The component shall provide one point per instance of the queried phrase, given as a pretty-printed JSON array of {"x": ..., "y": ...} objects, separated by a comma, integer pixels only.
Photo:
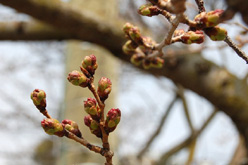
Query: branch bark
[
  {"x": 32, "y": 30},
  {"x": 216, "y": 84}
]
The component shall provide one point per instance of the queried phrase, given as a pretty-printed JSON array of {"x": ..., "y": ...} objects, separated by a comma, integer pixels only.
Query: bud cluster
[
  {"x": 149, "y": 10},
  {"x": 113, "y": 119},
  {"x": 72, "y": 127},
  {"x": 39, "y": 99},
  {"x": 93, "y": 107},
  {"x": 208, "y": 21},
  {"x": 93, "y": 125},
  {"x": 140, "y": 47},
  {"x": 53, "y": 127},
  {"x": 146, "y": 52},
  {"x": 192, "y": 37},
  {"x": 89, "y": 65}
]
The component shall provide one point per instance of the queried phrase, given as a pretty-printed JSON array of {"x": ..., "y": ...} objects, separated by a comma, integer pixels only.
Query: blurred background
[{"x": 146, "y": 102}]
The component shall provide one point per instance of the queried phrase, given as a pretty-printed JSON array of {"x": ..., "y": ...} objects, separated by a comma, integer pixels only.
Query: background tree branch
[{"x": 223, "y": 89}]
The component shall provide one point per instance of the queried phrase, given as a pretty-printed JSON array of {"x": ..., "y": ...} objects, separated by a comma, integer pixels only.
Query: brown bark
[
  {"x": 32, "y": 30},
  {"x": 220, "y": 87}
]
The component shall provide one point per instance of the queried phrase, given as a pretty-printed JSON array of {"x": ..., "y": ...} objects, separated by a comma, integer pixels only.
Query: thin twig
[
  {"x": 187, "y": 141},
  {"x": 239, "y": 156},
  {"x": 236, "y": 48},
  {"x": 85, "y": 143},
  {"x": 185, "y": 107},
  {"x": 106, "y": 153},
  {"x": 105, "y": 142},
  {"x": 45, "y": 113},
  {"x": 159, "y": 128},
  {"x": 168, "y": 39},
  {"x": 200, "y": 4},
  {"x": 191, "y": 152}
]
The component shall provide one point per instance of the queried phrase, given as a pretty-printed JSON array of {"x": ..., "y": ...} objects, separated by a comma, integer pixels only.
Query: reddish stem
[{"x": 101, "y": 104}]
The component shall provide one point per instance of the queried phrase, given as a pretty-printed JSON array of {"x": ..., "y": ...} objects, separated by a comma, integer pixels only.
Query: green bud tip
[
  {"x": 39, "y": 97},
  {"x": 137, "y": 59},
  {"x": 209, "y": 19},
  {"x": 92, "y": 124},
  {"x": 193, "y": 37},
  {"x": 77, "y": 78},
  {"x": 149, "y": 10},
  {"x": 127, "y": 27},
  {"x": 89, "y": 63},
  {"x": 90, "y": 106},
  {"x": 72, "y": 127},
  {"x": 104, "y": 88},
  {"x": 216, "y": 33},
  {"x": 129, "y": 47},
  {"x": 157, "y": 62},
  {"x": 135, "y": 35},
  {"x": 113, "y": 117},
  {"x": 147, "y": 64},
  {"x": 52, "y": 127}
]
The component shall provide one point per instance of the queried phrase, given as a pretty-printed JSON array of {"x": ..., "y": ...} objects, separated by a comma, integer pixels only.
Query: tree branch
[
  {"x": 32, "y": 30},
  {"x": 159, "y": 128},
  {"x": 186, "y": 142},
  {"x": 236, "y": 49},
  {"x": 228, "y": 93},
  {"x": 185, "y": 107}
]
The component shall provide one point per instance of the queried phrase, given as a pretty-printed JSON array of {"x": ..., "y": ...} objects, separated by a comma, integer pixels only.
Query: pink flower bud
[
  {"x": 129, "y": 47},
  {"x": 52, "y": 127},
  {"x": 179, "y": 32},
  {"x": 157, "y": 62},
  {"x": 112, "y": 120},
  {"x": 193, "y": 37},
  {"x": 147, "y": 64},
  {"x": 209, "y": 19},
  {"x": 127, "y": 27},
  {"x": 90, "y": 107},
  {"x": 77, "y": 78},
  {"x": 216, "y": 33},
  {"x": 39, "y": 99},
  {"x": 135, "y": 35},
  {"x": 93, "y": 126},
  {"x": 147, "y": 43},
  {"x": 149, "y": 10},
  {"x": 137, "y": 59},
  {"x": 72, "y": 127},
  {"x": 89, "y": 63},
  {"x": 104, "y": 88}
]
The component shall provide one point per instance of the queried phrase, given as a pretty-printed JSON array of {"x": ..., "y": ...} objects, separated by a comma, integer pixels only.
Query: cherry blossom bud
[
  {"x": 209, "y": 19},
  {"x": 112, "y": 120},
  {"x": 129, "y": 47},
  {"x": 127, "y": 27},
  {"x": 157, "y": 62},
  {"x": 179, "y": 32},
  {"x": 137, "y": 59},
  {"x": 72, "y": 127},
  {"x": 90, "y": 107},
  {"x": 147, "y": 64},
  {"x": 39, "y": 99},
  {"x": 77, "y": 78},
  {"x": 147, "y": 43},
  {"x": 149, "y": 10},
  {"x": 53, "y": 127},
  {"x": 193, "y": 37},
  {"x": 216, "y": 33},
  {"x": 104, "y": 88},
  {"x": 135, "y": 35},
  {"x": 93, "y": 126},
  {"x": 89, "y": 63}
]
